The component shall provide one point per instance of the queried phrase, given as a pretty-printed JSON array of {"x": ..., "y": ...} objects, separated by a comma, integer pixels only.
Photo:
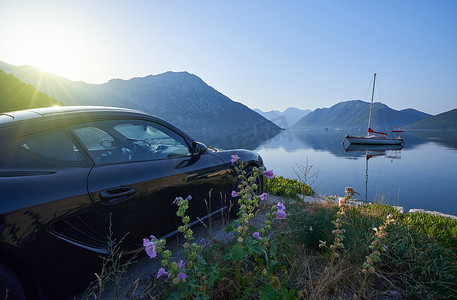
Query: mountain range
[
  {"x": 284, "y": 119},
  {"x": 181, "y": 98},
  {"x": 354, "y": 114},
  {"x": 189, "y": 103}
]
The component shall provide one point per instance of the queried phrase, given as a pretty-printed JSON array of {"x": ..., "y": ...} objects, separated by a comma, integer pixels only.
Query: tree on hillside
[{"x": 17, "y": 95}]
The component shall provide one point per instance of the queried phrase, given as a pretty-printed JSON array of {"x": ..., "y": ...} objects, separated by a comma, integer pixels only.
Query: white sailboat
[{"x": 375, "y": 137}]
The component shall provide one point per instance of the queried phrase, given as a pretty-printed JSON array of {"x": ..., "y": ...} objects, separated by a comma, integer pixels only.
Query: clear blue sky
[{"x": 265, "y": 54}]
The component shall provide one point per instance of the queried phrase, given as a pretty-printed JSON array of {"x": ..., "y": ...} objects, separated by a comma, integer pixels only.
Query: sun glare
[{"x": 52, "y": 50}]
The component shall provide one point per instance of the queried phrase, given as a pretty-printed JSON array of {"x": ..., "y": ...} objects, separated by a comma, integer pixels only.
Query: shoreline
[{"x": 321, "y": 198}]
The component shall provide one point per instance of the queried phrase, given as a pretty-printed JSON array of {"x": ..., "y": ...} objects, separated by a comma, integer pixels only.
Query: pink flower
[
  {"x": 263, "y": 196},
  {"x": 268, "y": 174},
  {"x": 162, "y": 272},
  {"x": 150, "y": 248},
  {"x": 234, "y": 194},
  {"x": 256, "y": 235},
  {"x": 234, "y": 159}
]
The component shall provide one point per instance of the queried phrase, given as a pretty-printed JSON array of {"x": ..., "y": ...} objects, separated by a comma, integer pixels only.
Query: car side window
[
  {"x": 54, "y": 145},
  {"x": 119, "y": 141}
]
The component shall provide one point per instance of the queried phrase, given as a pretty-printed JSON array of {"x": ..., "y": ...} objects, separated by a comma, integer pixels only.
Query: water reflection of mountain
[
  {"x": 447, "y": 138},
  {"x": 319, "y": 140},
  {"x": 246, "y": 139},
  {"x": 330, "y": 141}
]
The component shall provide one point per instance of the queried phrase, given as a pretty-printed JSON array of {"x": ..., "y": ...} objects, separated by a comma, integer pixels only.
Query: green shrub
[{"x": 287, "y": 188}]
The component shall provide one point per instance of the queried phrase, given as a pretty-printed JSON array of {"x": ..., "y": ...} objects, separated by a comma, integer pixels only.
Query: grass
[
  {"x": 415, "y": 258},
  {"x": 418, "y": 261}
]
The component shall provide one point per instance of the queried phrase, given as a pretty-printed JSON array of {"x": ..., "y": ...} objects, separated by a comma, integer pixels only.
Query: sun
[{"x": 52, "y": 49}]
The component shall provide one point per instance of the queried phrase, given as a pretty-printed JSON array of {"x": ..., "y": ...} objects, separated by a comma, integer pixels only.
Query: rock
[
  {"x": 435, "y": 213},
  {"x": 400, "y": 209}
]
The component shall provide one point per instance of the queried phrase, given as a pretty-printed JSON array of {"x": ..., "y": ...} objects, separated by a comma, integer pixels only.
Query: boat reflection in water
[{"x": 371, "y": 151}]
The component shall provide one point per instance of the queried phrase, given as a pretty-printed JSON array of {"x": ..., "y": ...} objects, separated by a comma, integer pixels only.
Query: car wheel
[
  {"x": 10, "y": 286},
  {"x": 259, "y": 181}
]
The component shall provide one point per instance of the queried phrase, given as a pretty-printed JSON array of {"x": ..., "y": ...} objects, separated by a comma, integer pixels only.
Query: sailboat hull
[{"x": 373, "y": 140}]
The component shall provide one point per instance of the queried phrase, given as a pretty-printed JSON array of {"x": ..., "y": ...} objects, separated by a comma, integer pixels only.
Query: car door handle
[{"x": 117, "y": 195}]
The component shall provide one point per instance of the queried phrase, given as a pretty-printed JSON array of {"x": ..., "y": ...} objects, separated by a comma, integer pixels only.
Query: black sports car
[{"x": 65, "y": 172}]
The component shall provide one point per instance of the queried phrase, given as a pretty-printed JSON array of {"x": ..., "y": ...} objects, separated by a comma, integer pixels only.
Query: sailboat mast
[{"x": 371, "y": 105}]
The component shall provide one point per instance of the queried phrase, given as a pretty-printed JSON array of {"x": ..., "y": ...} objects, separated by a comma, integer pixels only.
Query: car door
[
  {"x": 141, "y": 167},
  {"x": 45, "y": 209}
]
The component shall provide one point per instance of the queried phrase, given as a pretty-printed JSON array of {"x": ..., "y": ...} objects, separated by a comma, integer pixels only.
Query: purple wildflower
[
  {"x": 280, "y": 206},
  {"x": 202, "y": 241},
  {"x": 150, "y": 248},
  {"x": 182, "y": 264},
  {"x": 234, "y": 159},
  {"x": 234, "y": 194},
  {"x": 176, "y": 200},
  {"x": 181, "y": 275},
  {"x": 256, "y": 235},
  {"x": 263, "y": 197},
  {"x": 189, "y": 197},
  {"x": 268, "y": 174},
  {"x": 162, "y": 272},
  {"x": 281, "y": 212}
]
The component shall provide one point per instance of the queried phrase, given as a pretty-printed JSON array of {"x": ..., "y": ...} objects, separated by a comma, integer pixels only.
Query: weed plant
[{"x": 114, "y": 266}]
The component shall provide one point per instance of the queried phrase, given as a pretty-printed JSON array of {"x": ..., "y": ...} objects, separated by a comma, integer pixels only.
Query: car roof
[
  {"x": 10, "y": 118},
  {"x": 75, "y": 113}
]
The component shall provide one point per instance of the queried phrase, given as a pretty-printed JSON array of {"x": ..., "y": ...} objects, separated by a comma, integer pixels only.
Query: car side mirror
[{"x": 198, "y": 148}]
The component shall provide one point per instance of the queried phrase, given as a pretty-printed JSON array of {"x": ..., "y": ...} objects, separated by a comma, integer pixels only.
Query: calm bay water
[{"x": 423, "y": 174}]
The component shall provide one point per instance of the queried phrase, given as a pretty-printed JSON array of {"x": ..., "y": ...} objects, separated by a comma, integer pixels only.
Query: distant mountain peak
[
  {"x": 354, "y": 114},
  {"x": 287, "y": 118}
]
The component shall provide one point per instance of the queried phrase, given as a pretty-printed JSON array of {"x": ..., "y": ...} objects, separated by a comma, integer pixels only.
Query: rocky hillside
[{"x": 181, "y": 98}]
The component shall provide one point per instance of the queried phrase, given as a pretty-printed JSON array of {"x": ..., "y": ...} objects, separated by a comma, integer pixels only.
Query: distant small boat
[{"x": 376, "y": 137}]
